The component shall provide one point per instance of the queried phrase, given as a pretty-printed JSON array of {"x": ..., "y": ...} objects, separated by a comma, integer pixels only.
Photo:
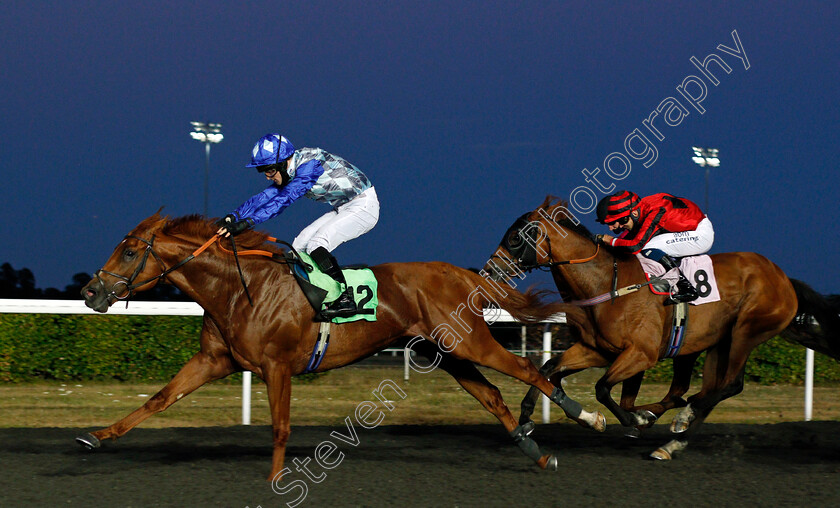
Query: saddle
[
  {"x": 320, "y": 289},
  {"x": 697, "y": 269}
]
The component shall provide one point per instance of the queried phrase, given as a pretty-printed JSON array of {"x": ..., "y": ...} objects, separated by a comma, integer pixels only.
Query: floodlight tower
[
  {"x": 207, "y": 133},
  {"x": 706, "y": 158}
]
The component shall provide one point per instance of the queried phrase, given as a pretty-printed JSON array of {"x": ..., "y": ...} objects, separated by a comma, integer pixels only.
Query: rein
[
  {"x": 527, "y": 268},
  {"x": 264, "y": 253},
  {"x": 127, "y": 285},
  {"x": 522, "y": 247},
  {"x": 130, "y": 286}
]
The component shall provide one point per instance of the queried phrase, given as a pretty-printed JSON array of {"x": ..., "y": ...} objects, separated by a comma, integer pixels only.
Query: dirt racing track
[{"x": 786, "y": 464}]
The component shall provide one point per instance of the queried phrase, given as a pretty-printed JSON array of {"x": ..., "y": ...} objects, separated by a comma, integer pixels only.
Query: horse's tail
[
  {"x": 823, "y": 338},
  {"x": 531, "y": 307}
]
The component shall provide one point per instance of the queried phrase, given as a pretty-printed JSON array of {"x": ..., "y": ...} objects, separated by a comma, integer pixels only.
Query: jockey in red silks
[
  {"x": 320, "y": 176},
  {"x": 660, "y": 227}
]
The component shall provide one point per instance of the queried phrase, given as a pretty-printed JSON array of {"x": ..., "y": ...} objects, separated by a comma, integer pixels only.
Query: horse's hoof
[
  {"x": 528, "y": 427},
  {"x": 632, "y": 432},
  {"x": 600, "y": 424},
  {"x": 548, "y": 462},
  {"x": 648, "y": 416},
  {"x": 89, "y": 441},
  {"x": 678, "y": 427},
  {"x": 660, "y": 454}
]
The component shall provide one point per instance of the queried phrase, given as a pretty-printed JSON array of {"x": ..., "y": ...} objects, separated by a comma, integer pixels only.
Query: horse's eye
[
  {"x": 129, "y": 254},
  {"x": 514, "y": 239}
]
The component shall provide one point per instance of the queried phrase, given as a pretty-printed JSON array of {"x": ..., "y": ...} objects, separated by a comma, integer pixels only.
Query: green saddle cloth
[{"x": 362, "y": 281}]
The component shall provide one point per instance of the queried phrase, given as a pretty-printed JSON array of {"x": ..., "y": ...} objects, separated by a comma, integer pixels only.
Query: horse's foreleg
[
  {"x": 683, "y": 369},
  {"x": 278, "y": 381},
  {"x": 199, "y": 370},
  {"x": 573, "y": 360},
  {"x": 629, "y": 363}
]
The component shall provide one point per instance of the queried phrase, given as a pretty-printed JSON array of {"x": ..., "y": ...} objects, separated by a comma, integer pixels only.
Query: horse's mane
[
  {"x": 201, "y": 229},
  {"x": 552, "y": 203}
]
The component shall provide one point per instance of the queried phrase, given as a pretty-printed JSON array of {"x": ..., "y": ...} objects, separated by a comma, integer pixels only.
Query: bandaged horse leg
[
  {"x": 489, "y": 396},
  {"x": 574, "y": 410},
  {"x": 578, "y": 357},
  {"x": 529, "y": 447},
  {"x": 530, "y": 401}
]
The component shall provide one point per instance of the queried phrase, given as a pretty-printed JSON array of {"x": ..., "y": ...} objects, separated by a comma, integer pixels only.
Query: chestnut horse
[
  {"x": 274, "y": 337},
  {"x": 632, "y": 332}
]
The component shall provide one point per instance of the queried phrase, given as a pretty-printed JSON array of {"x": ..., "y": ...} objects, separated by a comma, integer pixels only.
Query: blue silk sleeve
[{"x": 274, "y": 199}]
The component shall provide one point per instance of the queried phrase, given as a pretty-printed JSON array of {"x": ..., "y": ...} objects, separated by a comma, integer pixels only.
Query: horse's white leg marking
[
  {"x": 595, "y": 420},
  {"x": 682, "y": 420},
  {"x": 667, "y": 451}
]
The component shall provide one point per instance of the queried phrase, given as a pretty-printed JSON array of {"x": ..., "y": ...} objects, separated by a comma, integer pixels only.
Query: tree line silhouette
[{"x": 20, "y": 284}]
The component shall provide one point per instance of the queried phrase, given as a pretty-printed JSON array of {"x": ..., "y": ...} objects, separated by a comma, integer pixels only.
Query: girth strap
[
  {"x": 320, "y": 349},
  {"x": 679, "y": 327}
]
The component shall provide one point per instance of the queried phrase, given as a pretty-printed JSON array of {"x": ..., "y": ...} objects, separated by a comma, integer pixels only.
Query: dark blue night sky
[{"x": 463, "y": 114}]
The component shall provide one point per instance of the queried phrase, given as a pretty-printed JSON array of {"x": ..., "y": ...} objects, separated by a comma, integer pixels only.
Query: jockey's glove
[{"x": 229, "y": 225}]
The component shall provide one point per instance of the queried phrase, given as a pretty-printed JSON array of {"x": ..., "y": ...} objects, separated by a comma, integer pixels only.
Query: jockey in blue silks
[{"x": 323, "y": 177}]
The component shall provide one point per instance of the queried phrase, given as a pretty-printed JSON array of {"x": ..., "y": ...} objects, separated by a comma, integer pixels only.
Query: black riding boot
[
  {"x": 685, "y": 291},
  {"x": 344, "y": 305}
]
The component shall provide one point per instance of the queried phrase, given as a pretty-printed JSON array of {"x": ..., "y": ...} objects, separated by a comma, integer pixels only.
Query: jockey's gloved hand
[
  {"x": 229, "y": 225},
  {"x": 227, "y": 219}
]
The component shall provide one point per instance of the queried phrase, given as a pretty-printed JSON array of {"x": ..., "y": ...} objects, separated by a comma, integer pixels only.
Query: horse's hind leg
[
  {"x": 529, "y": 402},
  {"x": 207, "y": 365},
  {"x": 723, "y": 377},
  {"x": 489, "y": 396},
  {"x": 484, "y": 350}
]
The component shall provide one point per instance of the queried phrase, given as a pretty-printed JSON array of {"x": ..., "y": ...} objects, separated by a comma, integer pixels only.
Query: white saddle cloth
[{"x": 697, "y": 269}]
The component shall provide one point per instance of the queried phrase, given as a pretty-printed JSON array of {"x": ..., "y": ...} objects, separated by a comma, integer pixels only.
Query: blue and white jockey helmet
[{"x": 270, "y": 149}]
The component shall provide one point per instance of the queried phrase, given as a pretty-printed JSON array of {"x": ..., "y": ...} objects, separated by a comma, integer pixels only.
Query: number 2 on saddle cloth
[{"x": 320, "y": 289}]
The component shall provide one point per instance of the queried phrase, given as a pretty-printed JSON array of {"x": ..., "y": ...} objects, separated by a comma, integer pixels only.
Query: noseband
[{"x": 128, "y": 282}]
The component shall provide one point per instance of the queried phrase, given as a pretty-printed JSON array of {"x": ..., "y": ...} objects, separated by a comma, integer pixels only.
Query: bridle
[
  {"x": 128, "y": 284},
  {"x": 524, "y": 252},
  {"x": 525, "y": 256}
]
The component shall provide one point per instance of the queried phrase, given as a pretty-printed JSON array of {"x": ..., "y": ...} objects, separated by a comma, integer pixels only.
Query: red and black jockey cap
[{"x": 614, "y": 207}]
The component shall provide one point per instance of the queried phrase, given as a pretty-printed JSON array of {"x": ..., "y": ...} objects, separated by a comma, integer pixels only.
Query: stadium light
[
  {"x": 209, "y": 134},
  {"x": 706, "y": 158}
]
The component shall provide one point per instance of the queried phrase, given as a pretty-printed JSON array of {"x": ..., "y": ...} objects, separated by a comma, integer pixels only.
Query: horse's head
[
  {"x": 516, "y": 252},
  {"x": 128, "y": 269},
  {"x": 527, "y": 244}
]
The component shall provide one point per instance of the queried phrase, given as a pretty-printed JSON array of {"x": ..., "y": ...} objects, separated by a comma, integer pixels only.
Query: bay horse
[
  {"x": 757, "y": 302},
  {"x": 274, "y": 335}
]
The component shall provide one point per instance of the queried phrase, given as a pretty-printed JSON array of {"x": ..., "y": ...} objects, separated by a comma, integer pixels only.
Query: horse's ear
[
  {"x": 155, "y": 222},
  {"x": 160, "y": 217},
  {"x": 548, "y": 199}
]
